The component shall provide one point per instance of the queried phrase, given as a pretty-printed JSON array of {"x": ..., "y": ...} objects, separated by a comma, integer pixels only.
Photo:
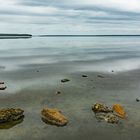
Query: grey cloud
[{"x": 67, "y": 13}]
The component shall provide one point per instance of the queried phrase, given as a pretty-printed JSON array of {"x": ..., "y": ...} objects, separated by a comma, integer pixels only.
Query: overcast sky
[{"x": 70, "y": 16}]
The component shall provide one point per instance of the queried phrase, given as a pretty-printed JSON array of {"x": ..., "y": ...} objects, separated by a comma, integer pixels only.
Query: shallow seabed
[{"x": 33, "y": 68}]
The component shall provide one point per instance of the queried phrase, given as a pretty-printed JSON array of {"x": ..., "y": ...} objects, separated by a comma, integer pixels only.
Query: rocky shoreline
[{"x": 9, "y": 117}]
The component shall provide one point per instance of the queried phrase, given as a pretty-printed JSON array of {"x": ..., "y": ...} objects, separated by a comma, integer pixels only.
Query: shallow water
[{"x": 32, "y": 70}]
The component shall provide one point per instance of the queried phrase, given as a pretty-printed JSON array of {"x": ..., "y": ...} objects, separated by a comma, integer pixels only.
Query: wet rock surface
[
  {"x": 9, "y": 117},
  {"x": 10, "y": 114},
  {"x": 54, "y": 117}
]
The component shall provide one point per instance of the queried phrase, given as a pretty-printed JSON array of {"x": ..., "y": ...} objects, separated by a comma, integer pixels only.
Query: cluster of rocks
[
  {"x": 108, "y": 114},
  {"x": 11, "y": 116}
]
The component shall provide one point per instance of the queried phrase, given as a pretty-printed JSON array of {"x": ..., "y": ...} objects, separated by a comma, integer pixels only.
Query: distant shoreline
[
  {"x": 14, "y": 36},
  {"x": 87, "y": 35}
]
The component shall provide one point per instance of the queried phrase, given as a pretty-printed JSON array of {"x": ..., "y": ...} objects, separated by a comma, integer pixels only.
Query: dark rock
[
  {"x": 53, "y": 117},
  {"x": 84, "y": 76},
  {"x": 58, "y": 92},
  {"x": 1, "y": 82},
  {"x": 65, "y": 80},
  {"x": 137, "y": 100}
]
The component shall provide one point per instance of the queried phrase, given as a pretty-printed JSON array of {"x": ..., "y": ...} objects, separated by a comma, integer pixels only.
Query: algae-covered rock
[
  {"x": 10, "y": 117},
  {"x": 10, "y": 114},
  {"x": 99, "y": 107},
  {"x": 53, "y": 117},
  {"x": 108, "y": 117},
  {"x": 104, "y": 113}
]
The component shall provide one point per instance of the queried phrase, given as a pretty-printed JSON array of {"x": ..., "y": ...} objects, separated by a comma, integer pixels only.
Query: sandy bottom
[{"x": 35, "y": 87}]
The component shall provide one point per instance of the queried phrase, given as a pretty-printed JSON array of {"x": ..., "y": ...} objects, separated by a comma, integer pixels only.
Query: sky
[{"x": 70, "y": 16}]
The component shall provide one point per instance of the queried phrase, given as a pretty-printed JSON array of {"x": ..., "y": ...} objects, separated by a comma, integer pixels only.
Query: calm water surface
[{"x": 32, "y": 70}]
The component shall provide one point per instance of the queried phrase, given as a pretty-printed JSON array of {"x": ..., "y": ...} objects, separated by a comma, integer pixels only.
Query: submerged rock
[
  {"x": 10, "y": 114},
  {"x": 8, "y": 125},
  {"x": 84, "y": 75},
  {"x": 137, "y": 100},
  {"x": 53, "y": 117},
  {"x": 100, "y": 76},
  {"x": 99, "y": 107},
  {"x": 65, "y": 80},
  {"x": 108, "y": 117},
  {"x": 119, "y": 110}
]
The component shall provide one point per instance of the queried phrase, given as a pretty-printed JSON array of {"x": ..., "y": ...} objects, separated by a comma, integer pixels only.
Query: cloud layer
[{"x": 70, "y": 17}]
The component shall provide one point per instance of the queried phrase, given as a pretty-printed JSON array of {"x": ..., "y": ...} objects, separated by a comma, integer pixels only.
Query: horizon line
[{"x": 108, "y": 35}]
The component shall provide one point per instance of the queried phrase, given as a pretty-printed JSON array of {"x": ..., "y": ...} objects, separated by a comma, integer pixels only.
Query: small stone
[
  {"x": 84, "y": 76},
  {"x": 137, "y": 100},
  {"x": 100, "y": 76},
  {"x": 1, "y": 82},
  {"x": 112, "y": 71},
  {"x": 65, "y": 80},
  {"x": 58, "y": 92}
]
